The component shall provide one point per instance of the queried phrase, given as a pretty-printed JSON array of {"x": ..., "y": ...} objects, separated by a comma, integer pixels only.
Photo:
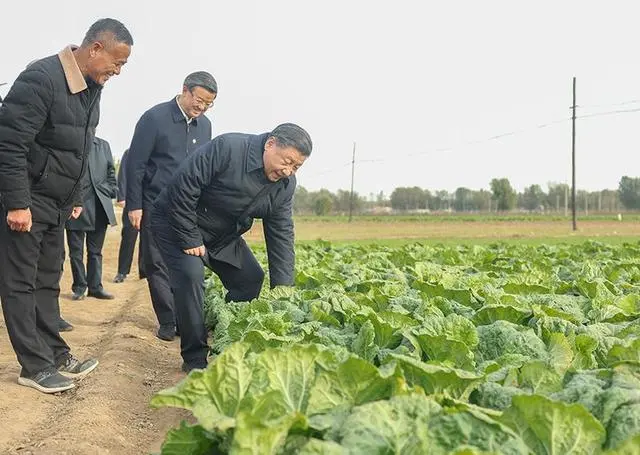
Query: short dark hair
[
  {"x": 291, "y": 135},
  {"x": 201, "y": 79},
  {"x": 107, "y": 25}
]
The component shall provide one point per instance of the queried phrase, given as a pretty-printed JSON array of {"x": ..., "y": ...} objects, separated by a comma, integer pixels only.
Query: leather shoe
[
  {"x": 166, "y": 332},
  {"x": 64, "y": 326},
  {"x": 101, "y": 294},
  {"x": 77, "y": 296},
  {"x": 120, "y": 277}
]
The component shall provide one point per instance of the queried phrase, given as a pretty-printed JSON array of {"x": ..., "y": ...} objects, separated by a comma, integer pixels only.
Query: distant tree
[
  {"x": 533, "y": 197},
  {"x": 629, "y": 190},
  {"x": 405, "y": 198},
  {"x": 504, "y": 194},
  {"x": 463, "y": 199},
  {"x": 322, "y": 204},
  {"x": 610, "y": 200},
  {"x": 557, "y": 194},
  {"x": 441, "y": 200},
  {"x": 481, "y": 200},
  {"x": 302, "y": 200}
]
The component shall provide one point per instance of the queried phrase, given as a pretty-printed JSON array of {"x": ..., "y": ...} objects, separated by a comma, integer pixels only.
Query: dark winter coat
[
  {"x": 161, "y": 141},
  {"x": 99, "y": 187},
  {"x": 211, "y": 191},
  {"x": 47, "y": 124}
]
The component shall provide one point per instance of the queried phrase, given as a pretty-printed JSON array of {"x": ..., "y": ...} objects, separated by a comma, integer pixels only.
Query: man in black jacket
[
  {"x": 163, "y": 138},
  {"x": 91, "y": 225},
  {"x": 47, "y": 124},
  {"x": 200, "y": 217},
  {"x": 129, "y": 234}
]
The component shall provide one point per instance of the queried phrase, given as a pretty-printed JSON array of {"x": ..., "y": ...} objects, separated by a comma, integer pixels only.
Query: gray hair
[
  {"x": 201, "y": 79},
  {"x": 291, "y": 135},
  {"x": 112, "y": 26}
]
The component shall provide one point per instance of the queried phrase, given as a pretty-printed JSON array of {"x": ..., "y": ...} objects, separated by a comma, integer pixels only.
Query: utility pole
[
  {"x": 573, "y": 158},
  {"x": 353, "y": 170}
]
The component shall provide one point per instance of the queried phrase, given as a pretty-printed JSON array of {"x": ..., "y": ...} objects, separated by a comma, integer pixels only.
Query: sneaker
[
  {"x": 64, "y": 326},
  {"x": 166, "y": 332},
  {"x": 74, "y": 368},
  {"x": 46, "y": 381},
  {"x": 77, "y": 296},
  {"x": 120, "y": 277}
]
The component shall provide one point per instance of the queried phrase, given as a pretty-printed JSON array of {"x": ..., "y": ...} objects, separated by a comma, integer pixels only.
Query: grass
[
  {"x": 471, "y": 217},
  {"x": 398, "y": 231}
]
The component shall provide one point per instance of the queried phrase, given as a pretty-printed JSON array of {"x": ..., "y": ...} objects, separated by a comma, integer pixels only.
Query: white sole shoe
[{"x": 31, "y": 383}]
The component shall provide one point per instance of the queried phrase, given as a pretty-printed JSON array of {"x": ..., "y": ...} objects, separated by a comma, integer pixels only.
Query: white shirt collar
[{"x": 186, "y": 117}]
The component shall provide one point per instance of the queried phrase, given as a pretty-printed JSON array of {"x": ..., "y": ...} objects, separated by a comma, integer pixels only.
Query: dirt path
[{"x": 108, "y": 412}]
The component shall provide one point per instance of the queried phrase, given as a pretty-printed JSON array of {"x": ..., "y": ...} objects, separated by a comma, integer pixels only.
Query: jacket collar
[
  {"x": 176, "y": 113},
  {"x": 256, "y": 149},
  {"x": 75, "y": 80}
]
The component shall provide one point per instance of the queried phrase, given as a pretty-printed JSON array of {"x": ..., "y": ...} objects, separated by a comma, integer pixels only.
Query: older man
[
  {"x": 200, "y": 218},
  {"x": 163, "y": 138},
  {"x": 47, "y": 124}
]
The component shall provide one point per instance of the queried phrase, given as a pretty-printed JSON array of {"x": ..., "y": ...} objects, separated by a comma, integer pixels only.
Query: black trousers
[
  {"x": 128, "y": 238},
  {"x": 186, "y": 275},
  {"x": 156, "y": 271},
  {"x": 30, "y": 270}
]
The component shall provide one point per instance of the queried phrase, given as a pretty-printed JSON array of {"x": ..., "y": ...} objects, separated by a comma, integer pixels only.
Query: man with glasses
[{"x": 163, "y": 138}]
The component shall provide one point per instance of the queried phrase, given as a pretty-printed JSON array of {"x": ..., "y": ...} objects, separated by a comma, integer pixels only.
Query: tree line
[{"x": 501, "y": 197}]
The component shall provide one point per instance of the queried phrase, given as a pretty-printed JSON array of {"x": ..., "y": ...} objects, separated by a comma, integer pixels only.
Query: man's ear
[{"x": 95, "y": 47}]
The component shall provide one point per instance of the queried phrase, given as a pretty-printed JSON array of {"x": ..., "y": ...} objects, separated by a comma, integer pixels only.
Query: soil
[{"x": 108, "y": 412}]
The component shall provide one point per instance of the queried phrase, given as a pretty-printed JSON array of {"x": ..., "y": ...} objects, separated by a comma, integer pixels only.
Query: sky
[{"x": 429, "y": 92}]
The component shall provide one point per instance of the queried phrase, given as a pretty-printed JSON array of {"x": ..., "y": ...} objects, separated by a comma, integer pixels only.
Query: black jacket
[
  {"x": 47, "y": 124},
  {"x": 122, "y": 177},
  {"x": 160, "y": 143},
  {"x": 100, "y": 185},
  {"x": 210, "y": 192}
]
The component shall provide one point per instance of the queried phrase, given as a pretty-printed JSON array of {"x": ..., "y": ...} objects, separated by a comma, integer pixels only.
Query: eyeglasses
[{"x": 200, "y": 102}]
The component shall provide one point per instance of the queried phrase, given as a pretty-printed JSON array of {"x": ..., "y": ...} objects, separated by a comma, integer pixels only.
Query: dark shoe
[
  {"x": 77, "y": 296},
  {"x": 64, "y": 326},
  {"x": 46, "y": 381},
  {"x": 101, "y": 294},
  {"x": 120, "y": 277},
  {"x": 187, "y": 367},
  {"x": 142, "y": 276},
  {"x": 74, "y": 368},
  {"x": 166, "y": 332}
]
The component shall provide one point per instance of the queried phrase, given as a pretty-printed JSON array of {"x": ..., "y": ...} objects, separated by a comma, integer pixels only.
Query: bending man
[{"x": 200, "y": 217}]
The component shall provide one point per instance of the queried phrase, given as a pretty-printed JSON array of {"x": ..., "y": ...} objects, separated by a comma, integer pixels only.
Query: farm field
[
  {"x": 505, "y": 349},
  {"x": 110, "y": 411}
]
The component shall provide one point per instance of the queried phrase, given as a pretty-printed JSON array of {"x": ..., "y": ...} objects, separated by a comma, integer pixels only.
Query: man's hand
[
  {"x": 75, "y": 213},
  {"x": 120, "y": 204},
  {"x": 135, "y": 216},
  {"x": 19, "y": 220},
  {"x": 197, "y": 251}
]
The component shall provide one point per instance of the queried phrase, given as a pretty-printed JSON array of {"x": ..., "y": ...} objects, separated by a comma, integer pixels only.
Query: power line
[
  {"x": 623, "y": 103},
  {"x": 615, "y": 112},
  {"x": 487, "y": 139}
]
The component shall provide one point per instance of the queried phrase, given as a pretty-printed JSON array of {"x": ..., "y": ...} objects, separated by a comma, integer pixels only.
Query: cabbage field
[{"x": 501, "y": 349}]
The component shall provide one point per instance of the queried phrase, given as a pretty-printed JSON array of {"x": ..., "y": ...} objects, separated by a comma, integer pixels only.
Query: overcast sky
[{"x": 419, "y": 86}]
